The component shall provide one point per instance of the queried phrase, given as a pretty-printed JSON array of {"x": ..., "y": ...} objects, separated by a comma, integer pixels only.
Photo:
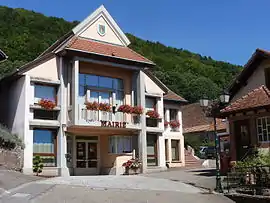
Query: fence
[{"x": 249, "y": 180}]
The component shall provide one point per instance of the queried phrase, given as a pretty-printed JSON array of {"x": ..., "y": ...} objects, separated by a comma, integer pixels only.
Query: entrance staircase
[{"x": 191, "y": 161}]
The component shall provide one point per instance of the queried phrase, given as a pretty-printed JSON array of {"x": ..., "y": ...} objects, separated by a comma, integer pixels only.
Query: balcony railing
[{"x": 89, "y": 117}]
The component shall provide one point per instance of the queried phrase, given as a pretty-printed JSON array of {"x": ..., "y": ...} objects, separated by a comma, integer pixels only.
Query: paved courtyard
[{"x": 112, "y": 189}]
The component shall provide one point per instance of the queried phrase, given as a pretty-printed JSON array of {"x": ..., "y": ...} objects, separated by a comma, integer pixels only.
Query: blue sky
[{"x": 225, "y": 30}]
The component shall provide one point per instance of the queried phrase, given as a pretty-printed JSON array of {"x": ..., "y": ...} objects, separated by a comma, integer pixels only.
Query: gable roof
[
  {"x": 3, "y": 56},
  {"x": 172, "y": 96},
  {"x": 101, "y": 11},
  {"x": 259, "y": 97},
  {"x": 195, "y": 120},
  {"x": 106, "y": 49},
  {"x": 253, "y": 63}
]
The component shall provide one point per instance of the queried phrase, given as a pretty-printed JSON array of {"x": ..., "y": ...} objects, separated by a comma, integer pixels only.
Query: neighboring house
[
  {"x": 92, "y": 63},
  {"x": 3, "y": 56},
  {"x": 248, "y": 112},
  {"x": 196, "y": 123}
]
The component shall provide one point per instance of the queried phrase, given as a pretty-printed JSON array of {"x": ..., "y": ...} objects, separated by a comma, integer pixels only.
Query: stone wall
[{"x": 11, "y": 159}]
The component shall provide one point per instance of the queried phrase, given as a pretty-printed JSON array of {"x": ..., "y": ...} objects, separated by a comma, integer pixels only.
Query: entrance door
[
  {"x": 151, "y": 150},
  {"x": 242, "y": 138},
  {"x": 86, "y": 158}
]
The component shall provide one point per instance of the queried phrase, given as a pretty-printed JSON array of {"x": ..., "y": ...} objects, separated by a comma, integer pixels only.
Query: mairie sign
[{"x": 113, "y": 124}]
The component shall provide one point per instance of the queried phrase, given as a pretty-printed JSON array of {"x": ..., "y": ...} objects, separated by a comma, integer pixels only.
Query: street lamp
[{"x": 214, "y": 110}]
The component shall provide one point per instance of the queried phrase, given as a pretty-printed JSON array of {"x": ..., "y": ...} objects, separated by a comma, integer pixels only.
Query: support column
[
  {"x": 142, "y": 144},
  {"x": 61, "y": 137},
  {"x": 167, "y": 118},
  {"x": 161, "y": 151},
  {"x": 75, "y": 91},
  {"x": 170, "y": 151},
  {"x": 232, "y": 141}
]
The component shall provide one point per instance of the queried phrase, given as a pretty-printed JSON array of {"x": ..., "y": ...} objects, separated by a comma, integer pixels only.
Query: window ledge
[
  {"x": 35, "y": 106},
  {"x": 176, "y": 161},
  {"x": 44, "y": 123},
  {"x": 121, "y": 154},
  {"x": 44, "y": 81}
]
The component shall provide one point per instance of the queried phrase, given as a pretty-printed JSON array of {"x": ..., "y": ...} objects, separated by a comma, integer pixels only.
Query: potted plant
[
  {"x": 174, "y": 124},
  {"x": 152, "y": 119},
  {"x": 132, "y": 166},
  {"x": 137, "y": 111},
  {"x": 47, "y": 104},
  {"x": 93, "y": 106},
  {"x": 166, "y": 124},
  {"x": 104, "y": 107},
  {"x": 125, "y": 108}
]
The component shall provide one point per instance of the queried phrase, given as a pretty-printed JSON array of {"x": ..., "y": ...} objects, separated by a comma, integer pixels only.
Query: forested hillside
[{"x": 25, "y": 34}]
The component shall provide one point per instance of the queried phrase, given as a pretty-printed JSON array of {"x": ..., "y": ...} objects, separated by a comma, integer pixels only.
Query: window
[
  {"x": 150, "y": 103},
  {"x": 120, "y": 144},
  {"x": 44, "y": 92},
  {"x": 175, "y": 150},
  {"x": 101, "y": 88},
  {"x": 173, "y": 114},
  {"x": 44, "y": 145},
  {"x": 263, "y": 129}
]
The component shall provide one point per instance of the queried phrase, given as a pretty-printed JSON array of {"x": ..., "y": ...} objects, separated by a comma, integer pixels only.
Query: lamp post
[{"x": 214, "y": 109}]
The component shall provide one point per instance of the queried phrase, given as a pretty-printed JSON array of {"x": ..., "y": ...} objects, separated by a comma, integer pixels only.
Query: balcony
[
  {"x": 107, "y": 119},
  {"x": 172, "y": 126}
]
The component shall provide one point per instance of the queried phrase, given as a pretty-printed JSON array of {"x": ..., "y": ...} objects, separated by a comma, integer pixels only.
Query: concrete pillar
[
  {"x": 61, "y": 137},
  {"x": 160, "y": 111},
  {"x": 161, "y": 151},
  {"x": 232, "y": 141},
  {"x": 169, "y": 150},
  {"x": 75, "y": 91},
  {"x": 28, "y": 94},
  {"x": 167, "y": 118},
  {"x": 142, "y": 141}
]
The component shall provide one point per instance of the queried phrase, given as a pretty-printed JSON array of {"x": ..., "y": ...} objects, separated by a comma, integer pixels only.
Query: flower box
[
  {"x": 152, "y": 122},
  {"x": 132, "y": 167},
  {"x": 47, "y": 104}
]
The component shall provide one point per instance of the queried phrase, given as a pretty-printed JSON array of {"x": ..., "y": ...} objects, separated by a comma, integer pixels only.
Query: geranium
[
  {"x": 166, "y": 123},
  {"x": 132, "y": 163},
  {"x": 93, "y": 106},
  {"x": 152, "y": 114},
  {"x": 47, "y": 104},
  {"x": 104, "y": 107},
  {"x": 174, "y": 124},
  {"x": 137, "y": 110},
  {"x": 125, "y": 108}
]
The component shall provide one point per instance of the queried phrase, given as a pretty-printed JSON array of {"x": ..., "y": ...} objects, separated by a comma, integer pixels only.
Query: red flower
[
  {"x": 47, "y": 104},
  {"x": 137, "y": 110},
  {"x": 152, "y": 114},
  {"x": 104, "y": 107},
  {"x": 174, "y": 124},
  {"x": 93, "y": 106},
  {"x": 166, "y": 123},
  {"x": 125, "y": 108}
]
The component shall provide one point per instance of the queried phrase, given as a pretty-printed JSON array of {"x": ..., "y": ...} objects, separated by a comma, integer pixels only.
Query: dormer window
[{"x": 101, "y": 29}]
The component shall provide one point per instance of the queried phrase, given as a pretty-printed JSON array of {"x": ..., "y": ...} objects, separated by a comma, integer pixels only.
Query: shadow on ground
[{"x": 204, "y": 172}]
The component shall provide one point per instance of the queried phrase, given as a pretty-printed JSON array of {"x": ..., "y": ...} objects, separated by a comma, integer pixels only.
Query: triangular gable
[{"x": 89, "y": 28}]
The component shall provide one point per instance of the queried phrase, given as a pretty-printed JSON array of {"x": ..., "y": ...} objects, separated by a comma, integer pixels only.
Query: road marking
[{"x": 20, "y": 195}]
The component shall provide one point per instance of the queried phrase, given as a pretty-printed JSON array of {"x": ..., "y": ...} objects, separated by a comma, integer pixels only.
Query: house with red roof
[
  {"x": 249, "y": 110},
  {"x": 89, "y": 103}
]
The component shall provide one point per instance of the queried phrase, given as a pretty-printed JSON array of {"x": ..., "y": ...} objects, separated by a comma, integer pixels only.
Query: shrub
[
  {"x": 9, "y": 140},
  {"x": 37, "y": 165}
]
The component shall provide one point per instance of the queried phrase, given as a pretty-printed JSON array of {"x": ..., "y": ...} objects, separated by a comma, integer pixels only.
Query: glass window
[
  {"x": 45, "y": 92},
  {"x": 101, "y": 86},
  {"x": 150, "y": 103},
  {"x": 175, "y": 150},
  {"x": 44, "y": 146},
  {"x": 263, "y": 129},
  {"x": 173, "y": 114},
  {"x": 120, "y": 144},
  {"x": 106, "y": 82}
]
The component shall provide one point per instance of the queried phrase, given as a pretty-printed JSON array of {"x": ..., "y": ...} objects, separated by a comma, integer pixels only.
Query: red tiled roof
[
  {"x": 256, "y": 98},
  {"x": 106, "y": 49},
  {"x": 173, "y": 96},
  {"x": 195, "y": 120}
]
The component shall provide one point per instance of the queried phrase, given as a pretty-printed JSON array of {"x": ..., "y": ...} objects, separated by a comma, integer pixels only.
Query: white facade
[{"x": 60, "y": 133}]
